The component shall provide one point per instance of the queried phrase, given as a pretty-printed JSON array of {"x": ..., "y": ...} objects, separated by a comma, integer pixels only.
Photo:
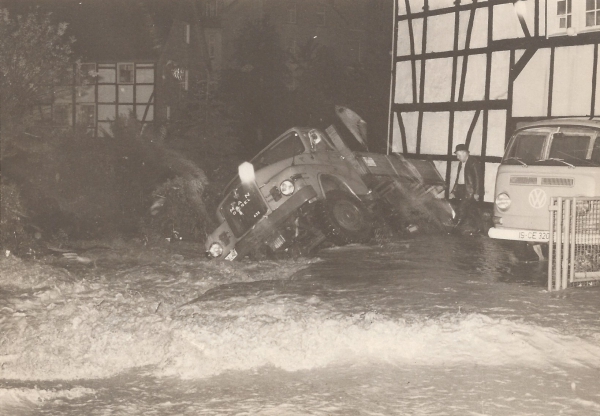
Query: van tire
[{"x": 344, "y": 219}]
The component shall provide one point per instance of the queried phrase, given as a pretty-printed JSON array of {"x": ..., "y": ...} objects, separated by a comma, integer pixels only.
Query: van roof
[{"x": 571, "y": 121}]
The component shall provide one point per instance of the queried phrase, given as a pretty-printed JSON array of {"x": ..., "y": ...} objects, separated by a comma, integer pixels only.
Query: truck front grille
[{"x": 243, "y": 207}]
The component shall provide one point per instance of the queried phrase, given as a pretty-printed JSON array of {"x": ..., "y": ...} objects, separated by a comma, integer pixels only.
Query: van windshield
[
  {"x": 575, "y": 147},
  {"x": 526, "y": 147}
]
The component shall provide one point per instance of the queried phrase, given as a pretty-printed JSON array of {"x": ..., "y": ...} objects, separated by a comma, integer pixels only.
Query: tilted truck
[{"x": 308, "y": 186}]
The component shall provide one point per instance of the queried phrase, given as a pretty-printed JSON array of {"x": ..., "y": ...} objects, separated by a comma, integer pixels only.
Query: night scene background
[{"x": 122, "y": 122}]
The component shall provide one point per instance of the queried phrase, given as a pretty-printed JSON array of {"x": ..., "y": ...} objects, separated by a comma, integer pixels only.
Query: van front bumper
[{"x": 539, "y": 236}]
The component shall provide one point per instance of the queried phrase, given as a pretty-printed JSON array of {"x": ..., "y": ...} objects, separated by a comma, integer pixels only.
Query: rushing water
[{"x": 431, "y": 326}]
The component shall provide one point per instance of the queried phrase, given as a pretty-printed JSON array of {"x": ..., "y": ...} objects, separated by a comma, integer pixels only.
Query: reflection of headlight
[
  {"x": 287, "y": 188},
  {"x": 503, "y": 201},
  {"x": 215, "y": 250}
]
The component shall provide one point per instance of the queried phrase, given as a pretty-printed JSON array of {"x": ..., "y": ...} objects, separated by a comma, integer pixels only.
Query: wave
[{"x": 209, "y": 338}]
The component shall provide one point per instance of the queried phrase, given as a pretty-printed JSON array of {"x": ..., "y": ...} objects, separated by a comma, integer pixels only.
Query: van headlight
[
  {"x": 215, "y": 250},
  {"x": 287, "y": 187},
  {"x": 503, "y": 201}
]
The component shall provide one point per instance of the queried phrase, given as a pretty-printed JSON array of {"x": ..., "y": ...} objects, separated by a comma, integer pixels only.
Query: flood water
[{"x": 442, "y": 325}]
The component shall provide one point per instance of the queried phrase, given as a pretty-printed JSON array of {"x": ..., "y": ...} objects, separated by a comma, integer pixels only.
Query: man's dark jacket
[{"x": 472, "y": 178}]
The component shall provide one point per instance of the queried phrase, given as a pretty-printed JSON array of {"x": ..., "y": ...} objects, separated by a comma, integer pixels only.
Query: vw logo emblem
[{"x": 537, "y": 198}]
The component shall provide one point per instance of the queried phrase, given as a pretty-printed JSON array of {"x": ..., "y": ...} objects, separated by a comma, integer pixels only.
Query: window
[
  {"x": 570, "y": 17},
  {"x": 564, "y": 13},
  {"x": 86, "y": 115},
  {"x": 186, "y": 80},
  {"x": 187, "y": 33},
  {"x": 107, "y": 74},
  {"x": 526, "y": 147},
  {"x": 321, "y": 15},
  {"x": 290, "y": 146},
  {"x": 86, "y": 74},
  {"x": 292, "y": 12},
  {"x": 168, "y": 112},
  {"x": 125, "y": 73},
  {"x": 144, "y": 74},
  {"x": 592, "y": 13}
]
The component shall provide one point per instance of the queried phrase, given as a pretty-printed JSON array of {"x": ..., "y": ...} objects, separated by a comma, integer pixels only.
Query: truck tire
[{"x": 344, "y": 219}]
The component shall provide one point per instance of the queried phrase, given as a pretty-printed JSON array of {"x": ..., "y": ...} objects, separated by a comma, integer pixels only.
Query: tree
[
  {"x": 34, "y": 55},
  {"x": 257, "y": 86}
]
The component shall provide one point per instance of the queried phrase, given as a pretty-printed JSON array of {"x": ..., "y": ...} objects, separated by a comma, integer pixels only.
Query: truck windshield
[{"x": 289, "y": 146}]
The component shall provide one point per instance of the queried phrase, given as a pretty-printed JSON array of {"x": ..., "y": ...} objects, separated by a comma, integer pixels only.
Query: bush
[
  {"x": 89, "y": 188},
  {"x": 13, "y": 235}
]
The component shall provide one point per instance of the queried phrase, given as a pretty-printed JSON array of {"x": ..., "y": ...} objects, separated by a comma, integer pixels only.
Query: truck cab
[
  {"x": 311, "y": 185},
  {"x": 545, "y": 159}
]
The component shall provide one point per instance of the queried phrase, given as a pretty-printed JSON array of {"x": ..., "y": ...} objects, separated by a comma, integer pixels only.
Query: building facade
[
  {"x": 142, "y": 59},
  {"x": 471, "y": 71}
]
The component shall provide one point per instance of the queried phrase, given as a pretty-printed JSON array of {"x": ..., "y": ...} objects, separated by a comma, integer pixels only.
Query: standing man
[{"x": 467, "y": 188}]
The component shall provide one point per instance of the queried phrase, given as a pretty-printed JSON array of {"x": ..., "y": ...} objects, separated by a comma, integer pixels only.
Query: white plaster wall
[
  {"x": 396, "y": 135},
  {"x": 496, "y": 133},
  {"x": 475, "y": 80},
  {"x": 479, "y": 32},
  {"x": 573, "y": 68},
  {"x": 506, "y": 23},
  {"x": 434, "y": 135},
  {"x": 404, "y": 86},
  {"x": 410, "y": 121},
  {"x": 403, "y": 40},
  {"x": 530, "y": 90},
  {"x": 438, "y": 80},
  {"x": 489, "y": 182},
  {"x": 499, "y": 75},
  {"x": 440, "y": 33}
]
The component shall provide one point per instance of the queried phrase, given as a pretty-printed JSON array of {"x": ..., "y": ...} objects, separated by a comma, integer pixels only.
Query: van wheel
[{"x": 344, "y": 219}]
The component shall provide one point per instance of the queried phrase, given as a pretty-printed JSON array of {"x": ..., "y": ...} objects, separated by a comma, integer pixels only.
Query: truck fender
[{"x": 329, "y": 183}]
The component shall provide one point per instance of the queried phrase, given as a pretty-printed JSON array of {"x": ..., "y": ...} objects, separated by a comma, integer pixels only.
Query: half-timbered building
[{"x": 471, "y": 71}]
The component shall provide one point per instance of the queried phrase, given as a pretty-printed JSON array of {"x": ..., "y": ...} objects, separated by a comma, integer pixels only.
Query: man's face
[{"x": 462, "y": 155}]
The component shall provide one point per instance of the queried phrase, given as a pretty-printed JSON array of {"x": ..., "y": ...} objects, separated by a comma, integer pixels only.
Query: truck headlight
[
  {"x": 503, "y": 201},
  {"x": 215, "y": 250},
  {"x": 287, "y": 187}
]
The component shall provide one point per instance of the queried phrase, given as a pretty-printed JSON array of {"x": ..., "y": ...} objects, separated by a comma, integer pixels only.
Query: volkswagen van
[{"x": 545, "y": 159}]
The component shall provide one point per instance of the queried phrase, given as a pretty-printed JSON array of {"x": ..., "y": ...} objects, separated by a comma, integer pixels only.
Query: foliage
[
  {"x": 85, "y": 187},
  {"x": 34, "y": 54},
  {"x": 13, "y": 235}
]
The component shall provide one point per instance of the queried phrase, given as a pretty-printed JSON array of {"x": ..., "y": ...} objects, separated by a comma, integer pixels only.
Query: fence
[{"x": 574, "y": 243}]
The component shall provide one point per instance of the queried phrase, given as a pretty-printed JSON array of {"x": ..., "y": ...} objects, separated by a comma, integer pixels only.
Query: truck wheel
[{"x": 344, "y": 219}]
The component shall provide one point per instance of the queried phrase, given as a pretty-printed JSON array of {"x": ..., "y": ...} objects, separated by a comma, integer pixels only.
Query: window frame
[
  {"x": 119, "y": 65},
  {"x": 578, "y": 18}
]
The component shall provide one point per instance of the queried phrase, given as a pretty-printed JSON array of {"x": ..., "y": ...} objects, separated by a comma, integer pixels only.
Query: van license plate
[{"x": 534, "y": 235}]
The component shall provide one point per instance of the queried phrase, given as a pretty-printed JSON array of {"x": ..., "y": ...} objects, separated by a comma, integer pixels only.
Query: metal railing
[{"x": 574, "y": 243}]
